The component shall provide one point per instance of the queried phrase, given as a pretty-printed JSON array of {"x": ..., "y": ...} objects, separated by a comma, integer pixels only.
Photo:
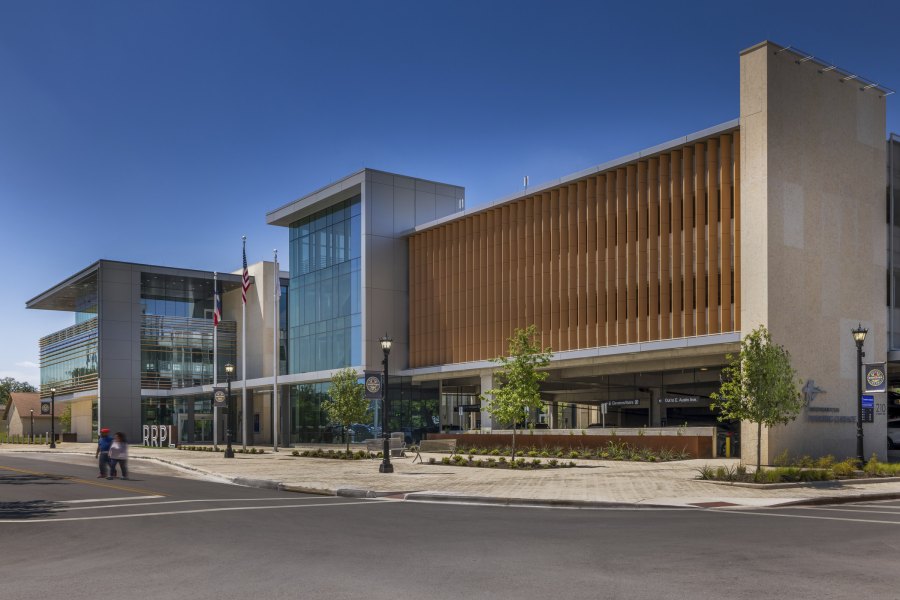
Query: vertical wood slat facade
[{"x": 646, "y": 251}]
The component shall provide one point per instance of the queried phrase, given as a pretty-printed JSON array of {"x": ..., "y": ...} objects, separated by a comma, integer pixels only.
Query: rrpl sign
[{"x": 159, "y": 436}]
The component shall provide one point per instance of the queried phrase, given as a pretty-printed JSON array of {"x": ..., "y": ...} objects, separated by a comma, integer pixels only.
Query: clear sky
[{"x": 160, "y": 132}]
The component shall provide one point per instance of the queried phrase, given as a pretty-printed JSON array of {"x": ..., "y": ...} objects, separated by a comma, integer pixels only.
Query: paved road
[{"x": 66, "y": 534}]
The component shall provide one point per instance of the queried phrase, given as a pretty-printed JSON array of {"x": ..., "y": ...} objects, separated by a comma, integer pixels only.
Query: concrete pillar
[
  {"x": 554, "y": 415},
  {"x": 487, "y": 383}
]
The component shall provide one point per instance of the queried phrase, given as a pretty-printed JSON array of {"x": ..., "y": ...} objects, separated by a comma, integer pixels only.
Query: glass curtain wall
[
  {"x": 69, "y": 359},
  {"x": 177, "y": 333},
  {"x": 324, "y": 310}
]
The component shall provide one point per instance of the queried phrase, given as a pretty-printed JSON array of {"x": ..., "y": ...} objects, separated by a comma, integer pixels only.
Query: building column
[
  {"x": 487, "y": 383},
  {"x": 554, "y": 415}
]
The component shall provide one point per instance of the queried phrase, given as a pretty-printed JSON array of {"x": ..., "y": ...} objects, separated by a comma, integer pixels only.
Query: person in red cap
[{"x": 103, "y": 445}]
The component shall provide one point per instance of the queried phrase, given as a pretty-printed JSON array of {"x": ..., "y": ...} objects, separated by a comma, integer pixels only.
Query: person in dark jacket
[{"x": 103, "y": 445}]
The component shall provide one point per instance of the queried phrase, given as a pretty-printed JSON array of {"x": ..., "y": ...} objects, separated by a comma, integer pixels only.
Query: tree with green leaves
[
  {"x": 759, "y": 386},
  {"x": 346, "y": 402},
  {"x": 520, "y": 387},
  {"x": 65, "y": 419},
  {"x": 9, "y": 385}
]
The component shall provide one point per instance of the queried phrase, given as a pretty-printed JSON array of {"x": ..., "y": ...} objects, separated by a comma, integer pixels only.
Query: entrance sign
[
  {"x": 373, "y": 385},
  {"x": 219, "y": 397},
  {"x": 159, "y": 436},
  {"x": 876, "y": 378}
]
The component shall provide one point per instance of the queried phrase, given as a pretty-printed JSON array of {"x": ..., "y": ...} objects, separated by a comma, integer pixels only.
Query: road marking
[
  {"x": 87, "y": 500},
  {"x": 771, "y": 514},
  {"x": 195, "y": 501},
  {"x": 84, "y": 481},
  {"x": 369, "y": 501}
]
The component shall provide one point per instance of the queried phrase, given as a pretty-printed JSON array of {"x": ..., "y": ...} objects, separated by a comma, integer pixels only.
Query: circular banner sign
[
  {"x": 45, "y": 408},
  {"x": 875, "y": 377},
  {"x": 373, "y": 384},
  {"x": 219, "y": 397}
]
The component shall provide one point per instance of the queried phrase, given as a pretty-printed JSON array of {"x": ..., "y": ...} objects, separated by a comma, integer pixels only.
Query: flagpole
[
  {"x": 275, "y": 356},
  {"x": 244, "y": 357},
  {"x": 215, "y": 359}
]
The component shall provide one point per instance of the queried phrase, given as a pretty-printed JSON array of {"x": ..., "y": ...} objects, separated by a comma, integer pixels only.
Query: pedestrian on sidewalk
[
  {"x": 118, "y": 455},
  {"x": 103, "y": 445}
]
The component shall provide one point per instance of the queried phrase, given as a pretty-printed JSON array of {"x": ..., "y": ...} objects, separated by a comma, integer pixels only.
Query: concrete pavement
[{"x": 591, "y": 482}]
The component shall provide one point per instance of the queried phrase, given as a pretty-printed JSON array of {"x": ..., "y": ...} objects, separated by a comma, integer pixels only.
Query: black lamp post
[
  {"x": 52, "y": 417},
  {"x": 859, "y": 336},
  {"x": 386, "y": 466},
  {"x": 229, "y": 451},
  {"x": 32, "y": 425}
]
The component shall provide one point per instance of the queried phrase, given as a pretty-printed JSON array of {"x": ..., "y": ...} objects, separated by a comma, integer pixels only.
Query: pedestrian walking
[
  {"x": 118, "y": 456},
  {"x": 103, "y": 445}
]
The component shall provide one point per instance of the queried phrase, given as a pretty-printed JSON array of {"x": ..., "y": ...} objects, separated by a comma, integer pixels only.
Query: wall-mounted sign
[
  {"x": 876, "y": 378},
  {"x": 45, "y": 408},
  {"x": 464, "y": 408},
  {"x": 868, "y": 409},
  {"x": 634, "y": 402},
  {"x": 373, "y": 385},
  {"x": 159, "y": 435},
  {"x": 219, "y": 397},
  {"x": 679, "y": 400}
]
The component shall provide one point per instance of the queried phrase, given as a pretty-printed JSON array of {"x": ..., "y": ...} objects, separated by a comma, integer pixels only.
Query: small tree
[
  {"x": 520, "y": 388},
  {"x": 65, "y": 419},
  {"x": 759, "y": 386},
  {"x": 346, "y": 403}
]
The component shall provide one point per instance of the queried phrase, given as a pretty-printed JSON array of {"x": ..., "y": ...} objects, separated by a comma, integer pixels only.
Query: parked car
[{"x": 893, "y": 434}]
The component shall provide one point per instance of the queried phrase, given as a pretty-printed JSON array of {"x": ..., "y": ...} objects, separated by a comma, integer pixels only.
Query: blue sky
[{"x": 160, "y": 132}]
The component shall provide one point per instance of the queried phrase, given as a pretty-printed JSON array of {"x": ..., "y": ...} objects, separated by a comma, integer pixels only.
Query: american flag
[
  {"x": 245, "y": 285},
  {"x": 217, "y": 311}
]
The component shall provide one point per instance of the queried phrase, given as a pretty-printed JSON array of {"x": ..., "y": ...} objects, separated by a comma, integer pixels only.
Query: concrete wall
[
  {"x": 393, "y": 204},
  {"x": 813, "y": 234},
  {"x": 81, "y": 420}
]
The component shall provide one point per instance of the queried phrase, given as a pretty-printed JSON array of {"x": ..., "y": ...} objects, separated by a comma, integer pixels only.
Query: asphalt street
[{"x": 162, "y": 535}]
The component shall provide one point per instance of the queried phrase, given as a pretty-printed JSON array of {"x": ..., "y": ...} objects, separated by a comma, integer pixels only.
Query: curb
[
  {"x": 841, "y": 499},
  {"x": 533, "y": 502}
]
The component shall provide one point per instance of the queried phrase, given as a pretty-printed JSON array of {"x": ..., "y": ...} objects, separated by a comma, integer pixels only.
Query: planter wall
[{"x": 695, "y": 445}]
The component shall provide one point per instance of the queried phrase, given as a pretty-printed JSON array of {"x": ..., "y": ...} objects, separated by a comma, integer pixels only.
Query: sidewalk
[{"x": 592, "y": 482}]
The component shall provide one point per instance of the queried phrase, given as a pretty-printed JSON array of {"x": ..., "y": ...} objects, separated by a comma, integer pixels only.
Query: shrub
[
  {"x": 706, "y": 473},
  {"x": 825, "y": 462},
  {"x": 574, "y": 454},
  {"x": 495, "y": 452},
  {"x": 545, "y": 454},
  {"x": 782, "y": 460},
  {"x": 571, "y": 463},
  {"x": 445, "y": 460},
  {"x": 501, "y": 460},
  {"x": 536, "y": 463},
  {"x": 553, "y": 462},
  {"x": 845, "y": 468},
  {"x": 295, "y": 453}
]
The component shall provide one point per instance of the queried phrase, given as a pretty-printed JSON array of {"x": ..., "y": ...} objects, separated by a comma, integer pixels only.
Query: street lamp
[
  {"x": 32, "y": 425},
  {"x": 859, "y": 336},
  {"x": 386, "y": 466},
  {"x": 52, "y": 417},
  {"x": 229, "y": 451}
]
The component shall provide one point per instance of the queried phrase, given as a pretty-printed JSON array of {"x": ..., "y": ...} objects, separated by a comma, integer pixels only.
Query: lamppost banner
[
  {"x": 373, "y": 385},
  {"x": 876, "y": 378}
]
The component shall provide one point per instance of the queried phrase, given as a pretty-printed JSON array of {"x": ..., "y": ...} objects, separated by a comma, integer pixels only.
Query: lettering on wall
[{"x": 159, "y": 436}]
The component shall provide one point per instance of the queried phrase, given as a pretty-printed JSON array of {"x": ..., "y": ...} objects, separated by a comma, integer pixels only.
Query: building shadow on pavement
[{"x": 28, "y": 509}]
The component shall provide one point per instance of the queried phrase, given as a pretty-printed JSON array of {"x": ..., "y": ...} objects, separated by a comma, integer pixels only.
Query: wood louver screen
[{"x": 646, "y": 251}]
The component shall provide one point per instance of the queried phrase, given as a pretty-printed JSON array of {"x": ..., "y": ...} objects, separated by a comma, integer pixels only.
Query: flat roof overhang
[
  {"x": 340, "y": 190},
  {"x": 65, "y": 294}
]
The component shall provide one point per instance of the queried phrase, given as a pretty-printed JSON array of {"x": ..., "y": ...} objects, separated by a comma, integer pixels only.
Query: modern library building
[{"x": 641, "y": 274}]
